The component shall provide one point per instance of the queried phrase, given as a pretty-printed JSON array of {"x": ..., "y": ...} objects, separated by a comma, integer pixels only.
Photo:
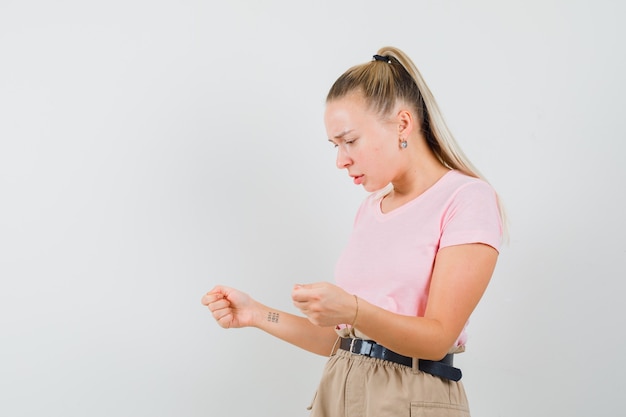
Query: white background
[{"x": 152, "y": 149}]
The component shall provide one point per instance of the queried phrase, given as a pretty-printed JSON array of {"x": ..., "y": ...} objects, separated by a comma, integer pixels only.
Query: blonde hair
[{"x": 393, "y": 76}]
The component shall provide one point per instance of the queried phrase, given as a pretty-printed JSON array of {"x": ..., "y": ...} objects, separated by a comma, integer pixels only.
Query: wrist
[
  {"x": 266, "y": 316},
  {"x": 259, "y": 313}
]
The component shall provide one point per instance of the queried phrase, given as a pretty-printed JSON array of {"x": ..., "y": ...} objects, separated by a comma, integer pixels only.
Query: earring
[{"x": 403, "y": 143}]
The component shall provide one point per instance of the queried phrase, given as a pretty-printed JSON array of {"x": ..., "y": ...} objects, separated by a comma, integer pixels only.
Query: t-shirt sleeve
[{"x": 472, "y": 216}]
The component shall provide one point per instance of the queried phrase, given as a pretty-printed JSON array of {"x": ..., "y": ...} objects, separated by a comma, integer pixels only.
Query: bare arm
[
  {"x": 460, "y": 276},
  {"x": 234, "y": 309}
]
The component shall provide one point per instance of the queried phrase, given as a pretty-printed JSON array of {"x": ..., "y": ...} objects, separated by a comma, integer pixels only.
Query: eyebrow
[{"x": 342, "y": 134}]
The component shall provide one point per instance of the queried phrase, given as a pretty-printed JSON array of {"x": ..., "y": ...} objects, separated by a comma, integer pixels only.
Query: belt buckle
[
  {"x": 366, "y": 347},
  {"x": 352, "y": 345}
]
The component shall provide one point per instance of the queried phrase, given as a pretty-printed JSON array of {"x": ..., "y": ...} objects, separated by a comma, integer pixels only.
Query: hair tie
[{"x": 386, "y": 59}]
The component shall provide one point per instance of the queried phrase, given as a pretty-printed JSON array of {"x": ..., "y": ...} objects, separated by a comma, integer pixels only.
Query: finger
[
  {"x": 218, "y": 305},
  {"x": 305, "y": 286},
  {"x": 309, "y": 287},
  {"x": 220, "y": 313},
  {"x": 224, "y": 319},
  {"x": 211, "y": 297},
  {"x": 300, "y": 306},
  {"x": 301, "y": 292},
  {"x": 299, "y": 297},
  {"x": 305, "y": 293}
]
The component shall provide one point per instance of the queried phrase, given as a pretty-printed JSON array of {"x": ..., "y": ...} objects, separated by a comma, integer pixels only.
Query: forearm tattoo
[{"x": 272, "y": 317}]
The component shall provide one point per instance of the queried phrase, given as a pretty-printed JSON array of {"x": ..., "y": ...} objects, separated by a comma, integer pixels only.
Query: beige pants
[{"x": 358, "y": 386}]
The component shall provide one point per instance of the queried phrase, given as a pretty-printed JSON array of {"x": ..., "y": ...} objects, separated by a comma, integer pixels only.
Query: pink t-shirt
[{"x": 389, "y": 258}]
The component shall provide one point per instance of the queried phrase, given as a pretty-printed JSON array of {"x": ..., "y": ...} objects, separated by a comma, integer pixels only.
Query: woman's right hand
[{"x": 230, "y": 307}]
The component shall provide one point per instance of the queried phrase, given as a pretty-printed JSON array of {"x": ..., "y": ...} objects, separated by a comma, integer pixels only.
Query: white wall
[{"x": 151, "y": 149}]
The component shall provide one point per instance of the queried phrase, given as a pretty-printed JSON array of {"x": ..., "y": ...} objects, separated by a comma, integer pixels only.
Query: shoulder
[
  {"x": 456, "y": 186},
  {"x": 471, "y": 212},
  {"x": 456, "y": 180}
]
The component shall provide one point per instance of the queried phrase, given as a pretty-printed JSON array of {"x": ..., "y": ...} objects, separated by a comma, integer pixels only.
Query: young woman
[{"x": 422, "y": 251}]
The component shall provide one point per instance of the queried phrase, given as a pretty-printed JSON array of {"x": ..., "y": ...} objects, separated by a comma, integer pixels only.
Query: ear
[{"x": 406, "y": 123}]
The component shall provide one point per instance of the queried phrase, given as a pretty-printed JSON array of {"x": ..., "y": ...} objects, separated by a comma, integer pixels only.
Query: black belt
[{"x": 443, "y": 368}]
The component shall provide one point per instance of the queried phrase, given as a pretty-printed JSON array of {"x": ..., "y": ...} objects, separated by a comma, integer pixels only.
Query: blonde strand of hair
[{"x": 451, "y": 153}]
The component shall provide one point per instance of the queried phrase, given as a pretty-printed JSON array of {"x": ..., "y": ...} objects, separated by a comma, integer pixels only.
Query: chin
[{"x": 371, "y": 189}]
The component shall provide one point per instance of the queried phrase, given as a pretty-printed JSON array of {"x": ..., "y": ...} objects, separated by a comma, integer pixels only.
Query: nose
[{"x": 343, "y": 159}]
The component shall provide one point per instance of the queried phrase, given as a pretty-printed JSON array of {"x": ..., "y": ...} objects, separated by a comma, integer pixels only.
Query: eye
[{"x": 350, "y": 142}]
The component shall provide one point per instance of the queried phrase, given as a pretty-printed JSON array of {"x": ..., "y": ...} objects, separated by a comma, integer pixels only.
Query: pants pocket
[{"x": 428, "y": 409}]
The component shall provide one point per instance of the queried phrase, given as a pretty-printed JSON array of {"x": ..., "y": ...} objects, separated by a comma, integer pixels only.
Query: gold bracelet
[{"x": 356, "y": 299}]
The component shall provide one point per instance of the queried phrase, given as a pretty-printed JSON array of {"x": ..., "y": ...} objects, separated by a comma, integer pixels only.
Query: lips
[{"x": 358, "y": 179}]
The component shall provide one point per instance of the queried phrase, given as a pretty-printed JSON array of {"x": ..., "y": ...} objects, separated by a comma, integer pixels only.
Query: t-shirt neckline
[{"x": 381, "y": 214}]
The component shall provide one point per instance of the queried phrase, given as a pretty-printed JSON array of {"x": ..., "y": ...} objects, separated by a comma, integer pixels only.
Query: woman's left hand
[{"x": 324, "y": 304}]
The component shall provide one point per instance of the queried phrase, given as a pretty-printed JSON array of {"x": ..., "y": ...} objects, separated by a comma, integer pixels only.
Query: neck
[
  {"x": 424, "y": 170},
  {"x": 422, "y": 174}
]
